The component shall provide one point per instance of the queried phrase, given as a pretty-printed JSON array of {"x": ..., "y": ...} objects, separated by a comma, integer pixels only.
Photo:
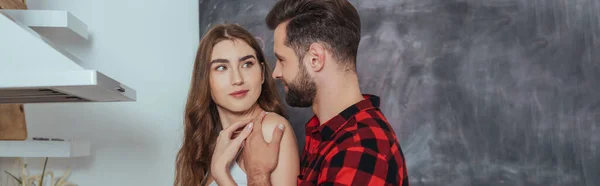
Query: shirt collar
[{"x": 330, "y": 127}]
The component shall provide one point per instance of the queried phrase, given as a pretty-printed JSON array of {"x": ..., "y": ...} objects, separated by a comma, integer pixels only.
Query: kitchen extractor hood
[{"x": 34, "y": 70}]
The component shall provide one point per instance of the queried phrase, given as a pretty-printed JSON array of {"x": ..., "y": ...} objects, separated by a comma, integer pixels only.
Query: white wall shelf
[
  {"x": 39, "y": 20},
  {"x": 51, "y": 149},
  {"x": 27, "y": 52}
]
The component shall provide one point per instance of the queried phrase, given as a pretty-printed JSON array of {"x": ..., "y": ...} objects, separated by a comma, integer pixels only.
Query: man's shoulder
[
  {"x": 373, "y": 119},
  {"x": 369, "y": 130}
]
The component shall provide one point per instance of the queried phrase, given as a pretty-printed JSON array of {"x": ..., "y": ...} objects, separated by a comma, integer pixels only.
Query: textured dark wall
[{"x": 479, "y": 92}]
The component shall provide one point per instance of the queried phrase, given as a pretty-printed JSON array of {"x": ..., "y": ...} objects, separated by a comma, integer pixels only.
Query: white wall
[{"x": 148, "y": 45}]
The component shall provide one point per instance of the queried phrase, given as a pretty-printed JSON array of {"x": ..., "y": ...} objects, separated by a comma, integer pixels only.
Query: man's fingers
[{"x": 277, "y": 135}]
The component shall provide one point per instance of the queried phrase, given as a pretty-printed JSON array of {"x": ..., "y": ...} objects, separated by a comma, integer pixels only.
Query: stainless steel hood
[{"x": 34, "y": 70}]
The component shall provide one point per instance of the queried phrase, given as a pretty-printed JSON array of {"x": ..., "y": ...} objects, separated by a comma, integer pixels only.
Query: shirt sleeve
[{"x": 359, "y": 166}]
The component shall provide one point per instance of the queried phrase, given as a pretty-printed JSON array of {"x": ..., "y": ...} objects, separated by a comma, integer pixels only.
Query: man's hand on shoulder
[{"x": 260, "y": 158}]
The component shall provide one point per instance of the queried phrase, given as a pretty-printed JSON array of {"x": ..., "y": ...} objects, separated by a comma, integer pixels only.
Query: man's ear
[{"x": 316, "y": 54}]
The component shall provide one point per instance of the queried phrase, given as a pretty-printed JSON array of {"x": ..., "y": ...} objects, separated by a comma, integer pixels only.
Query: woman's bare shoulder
[{"x": 271, "y": 121}]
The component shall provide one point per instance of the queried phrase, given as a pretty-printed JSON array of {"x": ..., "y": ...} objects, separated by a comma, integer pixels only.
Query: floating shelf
[
  {"x": 40, "y": 20},
  {"x": 37, "y": 86},
  {"x": 41, "y": 149},
  {"x": 37, "y": 70}
]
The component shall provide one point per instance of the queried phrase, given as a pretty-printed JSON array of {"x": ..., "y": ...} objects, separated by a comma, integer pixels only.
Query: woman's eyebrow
[
  {"x": 247, "y": 57},
  {"x": 227, "y": 61},
  {"x": 219, "y": 61}
]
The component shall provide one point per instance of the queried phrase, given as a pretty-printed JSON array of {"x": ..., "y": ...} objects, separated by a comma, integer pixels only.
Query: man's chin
[
  {"x": 299, "y": 106},
  {"x": 295, "y": 102}
]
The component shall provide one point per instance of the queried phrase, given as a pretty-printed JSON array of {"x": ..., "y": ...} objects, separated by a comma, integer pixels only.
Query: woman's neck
[{"x": 228, "y": 118}]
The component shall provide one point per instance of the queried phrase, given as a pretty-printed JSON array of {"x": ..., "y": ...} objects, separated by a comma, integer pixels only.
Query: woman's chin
[{"x": 240, "y": 108}]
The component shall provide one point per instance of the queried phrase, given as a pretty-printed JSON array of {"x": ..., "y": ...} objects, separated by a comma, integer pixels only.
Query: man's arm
[
  {"x": 288, "y": 166},
  {"x": 359, "y": 166},
  {"x": 287, "y": 169},
  {"x": 260, "y": 158},
  {"x": 259, "y": 178}
]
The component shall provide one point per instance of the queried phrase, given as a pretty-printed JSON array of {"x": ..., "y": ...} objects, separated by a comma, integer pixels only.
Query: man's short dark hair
[{"x": 335, "y": 23}]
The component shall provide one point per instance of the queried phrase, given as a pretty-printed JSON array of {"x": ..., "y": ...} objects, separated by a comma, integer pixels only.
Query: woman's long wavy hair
[{"x": 202, "y": 123}]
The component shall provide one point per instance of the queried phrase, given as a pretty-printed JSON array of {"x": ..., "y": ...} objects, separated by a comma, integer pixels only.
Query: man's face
[{"x": 300, "y": 88}]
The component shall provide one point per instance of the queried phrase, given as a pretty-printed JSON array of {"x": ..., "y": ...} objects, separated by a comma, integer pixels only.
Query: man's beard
[{"x": 302, "y": 90}]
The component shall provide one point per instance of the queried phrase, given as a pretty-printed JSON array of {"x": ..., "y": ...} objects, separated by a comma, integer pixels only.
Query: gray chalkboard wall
[{"x": 479, "y": 92}]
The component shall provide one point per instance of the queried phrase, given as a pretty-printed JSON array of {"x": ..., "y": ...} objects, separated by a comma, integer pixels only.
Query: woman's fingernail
[
  {"x": 280, "y": 126},
  {"x": 249, "y": 126}
]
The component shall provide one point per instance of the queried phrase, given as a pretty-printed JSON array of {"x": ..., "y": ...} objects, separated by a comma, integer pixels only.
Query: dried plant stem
[{"x": 43, "y": 172}]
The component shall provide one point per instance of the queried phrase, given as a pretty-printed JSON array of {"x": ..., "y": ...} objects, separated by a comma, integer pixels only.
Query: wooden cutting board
[
  {"x": 12, "y": 116},
  {"x": 12, "y": 122},
  {"x": 12, "y": 4}
]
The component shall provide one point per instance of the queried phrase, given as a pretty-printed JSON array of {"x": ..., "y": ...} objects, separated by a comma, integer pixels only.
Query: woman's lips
[{"x": 239, "y": 94}]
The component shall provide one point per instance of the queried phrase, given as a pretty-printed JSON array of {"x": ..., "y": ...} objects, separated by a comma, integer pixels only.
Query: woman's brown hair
[{"x": 201, "y": 122}]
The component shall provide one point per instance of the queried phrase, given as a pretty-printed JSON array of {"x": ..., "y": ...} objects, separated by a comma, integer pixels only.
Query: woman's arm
[
  {"x": 226, "y": 150},
  {"x": 288, "y": 166}
]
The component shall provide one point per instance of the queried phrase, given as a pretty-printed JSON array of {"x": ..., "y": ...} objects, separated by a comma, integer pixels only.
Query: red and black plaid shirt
[{"x": 356, "y": 147}]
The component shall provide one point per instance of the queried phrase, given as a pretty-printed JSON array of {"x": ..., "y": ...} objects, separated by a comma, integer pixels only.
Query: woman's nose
[{"x": 237, "y": 78}]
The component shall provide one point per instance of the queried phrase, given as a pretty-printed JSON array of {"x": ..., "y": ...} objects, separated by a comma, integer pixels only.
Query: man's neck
[
  {"x": 335, "y": 96},
  {"x": 228, "y": 118}
]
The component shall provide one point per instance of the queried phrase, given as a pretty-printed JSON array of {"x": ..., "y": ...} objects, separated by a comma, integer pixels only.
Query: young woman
[{"x": 231, "y": 82}]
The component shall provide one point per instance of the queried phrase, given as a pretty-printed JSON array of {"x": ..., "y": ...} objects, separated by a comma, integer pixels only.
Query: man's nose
[{"x": 276, "y": 72}]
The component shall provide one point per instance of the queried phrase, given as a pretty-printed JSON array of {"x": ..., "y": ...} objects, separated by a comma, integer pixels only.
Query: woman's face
[{"x": 235, "y": 75}]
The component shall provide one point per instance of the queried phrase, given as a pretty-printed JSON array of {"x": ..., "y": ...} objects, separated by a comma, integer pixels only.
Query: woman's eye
[
  {"x": 247, "y": 65},
  {"x": 220, "y": 68}
]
